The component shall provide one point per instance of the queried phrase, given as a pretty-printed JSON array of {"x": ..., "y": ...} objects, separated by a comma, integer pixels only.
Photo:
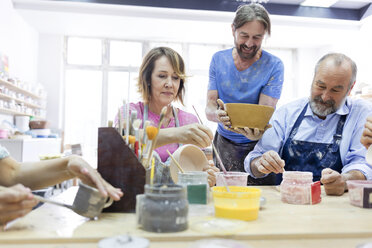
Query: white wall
[
  {"x": 19, "y": 41},
  {"x": 365, "y": 55},
  {"x": 50, "y": 74}
]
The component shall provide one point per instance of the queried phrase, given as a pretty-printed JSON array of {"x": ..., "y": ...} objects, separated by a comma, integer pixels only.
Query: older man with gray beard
[{"x": 320, "y": 134}]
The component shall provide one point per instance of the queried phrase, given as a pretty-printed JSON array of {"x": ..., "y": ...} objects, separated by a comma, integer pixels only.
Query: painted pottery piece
[
  {"x": 249, "y": 115},
  {"x": 190, "y": 157}
]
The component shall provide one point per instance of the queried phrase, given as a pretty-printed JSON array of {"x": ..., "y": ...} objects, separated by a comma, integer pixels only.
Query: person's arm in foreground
[{"x": 41, "y": 174}]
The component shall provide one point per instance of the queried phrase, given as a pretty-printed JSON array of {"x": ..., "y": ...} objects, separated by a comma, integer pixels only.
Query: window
[
  {"x": 82, "y": 51},
  {"x": 97, "y": 72},
  {"x": 125, "y": 53}
]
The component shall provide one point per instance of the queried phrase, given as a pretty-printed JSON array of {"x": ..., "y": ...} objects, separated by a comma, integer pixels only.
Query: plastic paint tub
[
  {"x": 242, "y": 202},
  {"x": 3, "y": 133},
  {"x": 233, "y": 178},
  {"x": 296, "y": 187},
  {"x": 360, "y": 193},
  {"x": 196, "y": 183}
]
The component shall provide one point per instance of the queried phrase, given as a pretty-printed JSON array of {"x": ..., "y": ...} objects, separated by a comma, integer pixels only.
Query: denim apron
[
  {"x": 233, "y": 154},
  {"x": 311, "y": 156}
]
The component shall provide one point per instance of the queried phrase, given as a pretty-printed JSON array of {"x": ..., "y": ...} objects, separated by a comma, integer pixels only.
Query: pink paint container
[
  {"x": 297, "y": 187},
  {"x": 360, "y": 193},
  {"x": 3, "y": 133},
  {"x": 233, "y": 178}
]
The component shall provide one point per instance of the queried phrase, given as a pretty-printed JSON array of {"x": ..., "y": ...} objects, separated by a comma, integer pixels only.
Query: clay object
[
  {"x": 249, "y": 115},
  {"x": 190, "y": 157},
  {"x": 119, "y": 166},
  {"x": 88, "y": 201}
]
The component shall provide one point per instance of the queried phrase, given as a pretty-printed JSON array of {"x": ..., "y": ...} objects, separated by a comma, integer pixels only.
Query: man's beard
[
  {"x": 324, "y": 108},
  {"x": 243, "y": 55}
]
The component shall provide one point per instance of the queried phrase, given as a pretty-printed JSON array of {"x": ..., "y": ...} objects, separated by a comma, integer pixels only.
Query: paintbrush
[
  {"x": 144, "y": 138},
  {"x": 136, "y": 125},
  {"x": 217, "y": 155},
  {"x": 133, "y": 117},
  {"x": 152, "y": 174},
  {"x": 176, "y": 162},
  {"x": 151, "y": 134},
  {"x": 161, "y": 119},
  {"x": 213, "y": 147}
]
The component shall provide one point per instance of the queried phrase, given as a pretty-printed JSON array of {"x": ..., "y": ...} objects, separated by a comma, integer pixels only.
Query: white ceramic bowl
[{"x": 190, "y": 157}]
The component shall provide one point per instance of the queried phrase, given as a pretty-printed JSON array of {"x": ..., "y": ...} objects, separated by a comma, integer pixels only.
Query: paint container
[
  {"x": 196, "y": 183},
  {"x": 22, "y": 123},
  {"x": 360, "y": 193},
  {"x": 242, "y": 202},
  {"x": 297, "y": 187},
  {"x": 163, "y": 209},
  {"x": 233, "y": 178}
]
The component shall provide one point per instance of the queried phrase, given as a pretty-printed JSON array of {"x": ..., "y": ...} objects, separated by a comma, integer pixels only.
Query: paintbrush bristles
[
  {"x": 151, "y": 132},
  {"x": 137, "y": 123}
]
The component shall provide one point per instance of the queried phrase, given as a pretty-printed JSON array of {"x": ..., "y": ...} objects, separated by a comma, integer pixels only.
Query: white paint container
[{"x": 22, "y": 122}]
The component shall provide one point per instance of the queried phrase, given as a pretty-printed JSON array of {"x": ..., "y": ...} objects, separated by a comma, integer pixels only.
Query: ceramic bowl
[
  {"x": 190, "y": 157},
  {"x": 249, "y": 115}
]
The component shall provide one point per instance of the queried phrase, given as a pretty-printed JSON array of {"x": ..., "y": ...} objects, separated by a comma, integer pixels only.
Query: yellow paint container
[{"x": 241, "y": 202}]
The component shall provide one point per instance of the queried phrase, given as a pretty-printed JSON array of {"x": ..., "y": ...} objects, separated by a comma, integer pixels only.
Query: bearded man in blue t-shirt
[{"x": 243, "y": 74}]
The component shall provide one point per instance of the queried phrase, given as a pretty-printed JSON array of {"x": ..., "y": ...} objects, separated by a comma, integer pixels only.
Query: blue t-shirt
[{"x": 264, "y": 76}]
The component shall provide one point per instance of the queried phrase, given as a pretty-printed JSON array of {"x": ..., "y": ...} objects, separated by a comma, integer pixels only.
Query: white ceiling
[
  {"x": 148, "y": 23},
  {"x": 344, "y": 4}
]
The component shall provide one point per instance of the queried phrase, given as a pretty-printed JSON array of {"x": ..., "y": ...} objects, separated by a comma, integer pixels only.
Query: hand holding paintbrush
[
  {"x": 217, "y": 156},
  {"x": 213, "y": 147}
]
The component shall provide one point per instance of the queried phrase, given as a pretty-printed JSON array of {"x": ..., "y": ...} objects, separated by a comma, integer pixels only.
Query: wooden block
[{"x": 119, "y": 166}]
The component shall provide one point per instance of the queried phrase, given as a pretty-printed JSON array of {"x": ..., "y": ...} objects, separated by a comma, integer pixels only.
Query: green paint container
[{"x": 196, "y": 183}]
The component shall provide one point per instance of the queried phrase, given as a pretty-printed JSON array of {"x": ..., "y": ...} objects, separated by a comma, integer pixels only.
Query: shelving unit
[{"x": 34, "y": 107}]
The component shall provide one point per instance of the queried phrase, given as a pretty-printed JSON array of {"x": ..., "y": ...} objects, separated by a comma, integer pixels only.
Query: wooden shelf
[
  {"x": 13, "y": 112},
  {"x": 19, "y": 89},
  {"x": 36, "y": 108},
  {"x": 31, "y": 105}
]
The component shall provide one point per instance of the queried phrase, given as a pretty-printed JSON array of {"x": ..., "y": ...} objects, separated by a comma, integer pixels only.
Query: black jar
[{"x": 164, "y": 208}]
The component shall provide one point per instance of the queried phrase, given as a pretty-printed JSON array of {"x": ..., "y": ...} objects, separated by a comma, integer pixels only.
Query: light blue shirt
[
  {"x": 314, "y": 129},
  {"x": 3, "y": 152},
  {"x": 264, "y": 76}
]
